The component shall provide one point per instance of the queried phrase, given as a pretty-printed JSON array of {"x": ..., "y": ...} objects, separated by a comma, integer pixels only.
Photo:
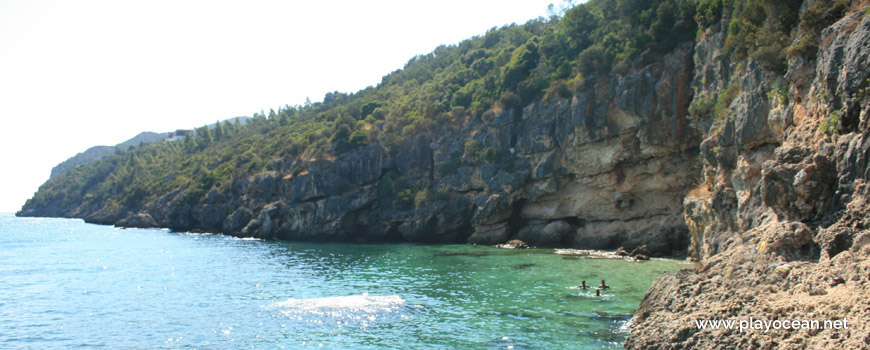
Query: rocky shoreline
[{"x": 780, "y": 224}]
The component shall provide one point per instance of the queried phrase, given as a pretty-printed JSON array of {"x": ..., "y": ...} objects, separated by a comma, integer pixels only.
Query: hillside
[
  {"x": 99, "y": 152},
  {"x": 89, "y": 155},
  {"x": 730, "y": 131}
]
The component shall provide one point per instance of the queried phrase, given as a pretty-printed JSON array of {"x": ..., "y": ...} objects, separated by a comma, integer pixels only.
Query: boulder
[
  {"x": 142, "y": 220},
  {"x": 514, "y": 244}
]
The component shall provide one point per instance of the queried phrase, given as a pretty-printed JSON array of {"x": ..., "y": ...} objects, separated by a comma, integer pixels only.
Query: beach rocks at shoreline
[{"x": 513, "y": 244}]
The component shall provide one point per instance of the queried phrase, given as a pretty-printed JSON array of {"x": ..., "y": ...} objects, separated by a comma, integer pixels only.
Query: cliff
[
  {"x": 605, "y": 168},
  {"x": 780, "y": 223}
]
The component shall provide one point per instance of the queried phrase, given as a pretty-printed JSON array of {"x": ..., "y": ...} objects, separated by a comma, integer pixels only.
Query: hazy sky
[{"x": 75, "y": 74}]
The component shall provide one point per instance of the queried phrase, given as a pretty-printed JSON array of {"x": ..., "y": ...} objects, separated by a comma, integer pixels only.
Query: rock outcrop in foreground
[{"x": 781, "y": 223}]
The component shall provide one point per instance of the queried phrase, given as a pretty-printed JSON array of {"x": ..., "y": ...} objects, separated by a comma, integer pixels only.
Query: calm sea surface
[{"x": 67, "y": 284}]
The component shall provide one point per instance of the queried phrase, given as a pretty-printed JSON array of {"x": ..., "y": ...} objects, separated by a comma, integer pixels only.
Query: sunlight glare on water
[{"x": 349, "y": 310}]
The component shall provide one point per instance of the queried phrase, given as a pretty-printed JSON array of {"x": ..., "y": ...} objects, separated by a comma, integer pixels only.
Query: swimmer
[
  {"x": 598, "y": 292},
  {"x": 583, "y": 285},
  {"x": 603, "y": 285}
]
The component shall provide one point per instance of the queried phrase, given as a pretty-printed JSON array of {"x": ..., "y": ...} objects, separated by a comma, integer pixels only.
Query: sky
[{"x": 76, "y": 74}]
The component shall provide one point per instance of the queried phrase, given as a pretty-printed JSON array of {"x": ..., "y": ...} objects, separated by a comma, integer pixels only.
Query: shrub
[
  {"x": 479, "y": 107},
  {"x": 815, "y": 18},
  {"x": 341, "y": 133},
  {"x": 771, "y": 52},
  {"x": 592, "y": 60},
  {"x": 563, "y": 90},
  {"x": 523, "y": 59},
  {"x": 509, "y": 100},
  {"x": 807, "y": 46},
  {"x": 443, "y": 194},
  {"x": 449, "y": 168},
  {"x": 473, "y": 150},
  {"x": 724, "y": 100},
  {"x": 404, "y": 198},
  {"x": 529, "y": 89},
  {"x": 824, "y": 127},
  {"x": 488, "y": 116},
  {"x": 831, "y": 125},
  {"x": 761, "y": 30},
  {"x": 423, "y": 198},
  {"x": 368, "y": 108},
  {"x": 342, "y": 146},
  {"x": 701, "y": 107},
  {"x": 779, "y": 94},
  {"x": 463, "y": 96},
  {"x": 359, "y": 137},
  {"x": 708, "y": 12},
  {"x": 490, "y": 155}
]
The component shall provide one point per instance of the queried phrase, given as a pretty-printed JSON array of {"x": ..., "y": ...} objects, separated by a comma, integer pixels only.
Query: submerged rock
[{"x": 640, "y": 257}]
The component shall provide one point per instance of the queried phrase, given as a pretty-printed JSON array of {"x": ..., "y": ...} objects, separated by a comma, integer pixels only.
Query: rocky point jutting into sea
[{"x": 769, "y": 192}]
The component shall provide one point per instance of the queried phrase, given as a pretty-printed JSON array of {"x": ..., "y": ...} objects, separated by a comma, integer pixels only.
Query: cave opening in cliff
[
  {"x": 575, "y": 221},
  {"x": 516, "y": 221},
  {"x": 393, "y": 233}
]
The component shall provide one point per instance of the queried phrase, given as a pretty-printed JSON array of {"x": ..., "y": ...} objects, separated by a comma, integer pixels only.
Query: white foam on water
[
  {"x": 626, "y": 326},
  {"x": 346, "y": 310}
]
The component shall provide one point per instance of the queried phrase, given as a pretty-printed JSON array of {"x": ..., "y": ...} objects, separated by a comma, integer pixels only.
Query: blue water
[{"x": 67, "y": 284}]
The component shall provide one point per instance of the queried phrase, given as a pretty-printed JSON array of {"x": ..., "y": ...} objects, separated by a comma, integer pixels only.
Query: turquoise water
[{"x": 65, "y": 284}]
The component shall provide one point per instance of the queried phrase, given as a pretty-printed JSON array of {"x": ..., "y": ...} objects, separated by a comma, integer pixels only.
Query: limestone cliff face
[
  {"x": 606, "y": 167},
  {"x": 783, "y": 208}
]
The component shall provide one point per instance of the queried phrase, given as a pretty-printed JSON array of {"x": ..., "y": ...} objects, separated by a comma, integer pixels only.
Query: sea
[{"x": 68, "y": 284}]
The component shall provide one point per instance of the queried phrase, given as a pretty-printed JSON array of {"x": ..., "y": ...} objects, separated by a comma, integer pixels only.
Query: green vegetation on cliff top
[{"x": 507, "y": 68}]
